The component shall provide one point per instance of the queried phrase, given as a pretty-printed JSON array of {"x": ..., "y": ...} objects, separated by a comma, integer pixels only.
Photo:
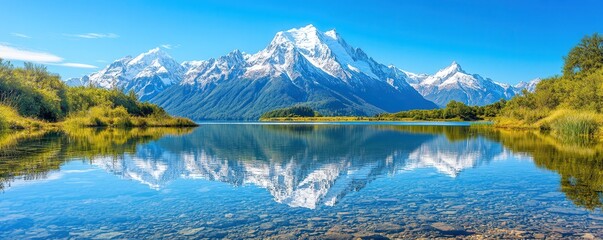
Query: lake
[{"x": 336, "y": 180}]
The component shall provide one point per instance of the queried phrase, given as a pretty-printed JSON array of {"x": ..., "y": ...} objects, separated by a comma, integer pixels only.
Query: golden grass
[
  {"x": 10, "y": 119},
  {"x": 95, "y": 117},
  {"x": 119, "y": 117},
  {"x": 565, "y": 124}
]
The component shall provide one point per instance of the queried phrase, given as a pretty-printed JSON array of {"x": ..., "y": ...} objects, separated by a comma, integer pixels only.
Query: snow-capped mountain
[
  {"x": 530, "y": 86},
  {"x": 146, "y": 74},
  {"x": 453, "y": 83},
  {"x": 299, "y": 67}
]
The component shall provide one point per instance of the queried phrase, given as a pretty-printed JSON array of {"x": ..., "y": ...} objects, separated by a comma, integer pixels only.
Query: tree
[
  {"x": 584, "y": 58},
  {"x": 458, "y": 109}
]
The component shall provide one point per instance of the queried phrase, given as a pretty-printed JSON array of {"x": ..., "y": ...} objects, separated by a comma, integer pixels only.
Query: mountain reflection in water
[{"x": 300, "y": 165}]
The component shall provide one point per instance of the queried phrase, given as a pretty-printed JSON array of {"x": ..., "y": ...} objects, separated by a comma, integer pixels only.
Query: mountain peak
[
  {"x": 153, "y": 54},
  {"x": 307, "y": 28},
  {"x": 454, "y": 66},
  {"x": 447, "y": 72},
  {"x": 333, "y": 34},
  {"x": 530, "y": 86},
  {"x": 154, "y": 50},
  {"x": 235, "y": 55}
]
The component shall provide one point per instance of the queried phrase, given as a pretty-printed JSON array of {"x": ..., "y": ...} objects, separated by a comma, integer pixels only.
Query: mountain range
[{"x": 302, "y": 66}]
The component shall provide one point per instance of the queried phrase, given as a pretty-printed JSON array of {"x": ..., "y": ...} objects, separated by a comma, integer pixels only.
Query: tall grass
[
  {"x": 3, "y": 123},
  {"x": 10, "y": 119},
  {"x": 581, "y": 127}
]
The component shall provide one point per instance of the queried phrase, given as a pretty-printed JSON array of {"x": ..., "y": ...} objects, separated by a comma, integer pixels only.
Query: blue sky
[{"x": 506, "y": 40}]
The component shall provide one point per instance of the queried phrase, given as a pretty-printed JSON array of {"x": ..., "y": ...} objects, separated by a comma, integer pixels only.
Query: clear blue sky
[{"x": 507, "y": 40}]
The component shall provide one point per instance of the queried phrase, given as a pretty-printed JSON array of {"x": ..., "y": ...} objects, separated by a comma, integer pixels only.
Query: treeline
[
  {"x": 295, "y": 111},
  {"x": 35, "y": 93},
  {"x": 453, "y": 111}
]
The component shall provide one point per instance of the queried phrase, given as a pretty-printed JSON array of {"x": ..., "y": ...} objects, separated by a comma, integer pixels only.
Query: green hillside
[{"x": 31, "y": 97}]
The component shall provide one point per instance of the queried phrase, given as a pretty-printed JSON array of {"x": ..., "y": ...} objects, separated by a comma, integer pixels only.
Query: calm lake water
[{"x": 299, "y": 181}]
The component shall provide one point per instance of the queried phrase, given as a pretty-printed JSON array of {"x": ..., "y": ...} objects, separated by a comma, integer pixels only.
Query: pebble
[
  {"x": 266, "y": 226},
  {"x": 539, "y": 236},
  {"x": 109, "y": 235},
  {"x": 190, "y": 231},
  {"x": 444, "y": 227}
]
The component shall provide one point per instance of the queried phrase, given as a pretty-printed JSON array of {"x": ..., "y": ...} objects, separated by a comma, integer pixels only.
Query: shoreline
[{"x": 362, "y": 119}]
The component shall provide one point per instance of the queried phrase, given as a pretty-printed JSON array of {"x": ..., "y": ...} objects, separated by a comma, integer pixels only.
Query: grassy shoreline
[
  {"x": 565, "y": 125},
  {"x": 11, "y": 120}
]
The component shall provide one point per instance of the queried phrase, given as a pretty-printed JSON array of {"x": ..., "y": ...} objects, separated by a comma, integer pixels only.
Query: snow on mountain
[
  {"x": 146, "y": 74},
  {"x": 74, "y": 82},
  {"x": 214, "y": 70},
  {"x": 453, "y": 83},
  {"x": 326, "y": 51},
  {"x": 530, "y": 86},
  {"x": 299, "y": 66}
]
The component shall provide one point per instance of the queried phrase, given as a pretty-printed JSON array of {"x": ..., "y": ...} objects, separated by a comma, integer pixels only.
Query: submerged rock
[{"x": 190, "y": 231}]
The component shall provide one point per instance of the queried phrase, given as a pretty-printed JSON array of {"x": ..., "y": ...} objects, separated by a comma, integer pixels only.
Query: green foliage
[
  {"x": 34, "y": 93},
  {"x": 586, "y": 57},
  {"x": 454, "y": 111},
  {"x": 457, "y": 109},
  {"x": 295, "y": 111},
  {"x": 83, "y": 98},
  {"x": 579, "y": 89}
]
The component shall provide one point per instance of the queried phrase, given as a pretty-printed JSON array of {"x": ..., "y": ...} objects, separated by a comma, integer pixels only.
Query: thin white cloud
[
  {"x": 169, "y": 46},
  {"x": 101, "y": 61},
  {"x": 12, "y": 53},
  {"x": 93, "y": 35},
  {"x": 8, "y": 52},
  {"x": 21, "y": 35},
  {"x": 77, "y": 65}
]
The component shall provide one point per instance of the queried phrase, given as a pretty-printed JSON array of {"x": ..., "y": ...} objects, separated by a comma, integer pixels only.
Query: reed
[{"x": 578, "y": 126}]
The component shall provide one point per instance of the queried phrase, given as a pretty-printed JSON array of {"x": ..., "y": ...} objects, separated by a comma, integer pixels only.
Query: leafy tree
[
  {"x": 585, "y": 58},
  {"x": 460, "y": 110}
]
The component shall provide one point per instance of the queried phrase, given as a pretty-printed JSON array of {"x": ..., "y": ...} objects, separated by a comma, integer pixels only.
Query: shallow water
[{"x": 299, "y": 181}]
